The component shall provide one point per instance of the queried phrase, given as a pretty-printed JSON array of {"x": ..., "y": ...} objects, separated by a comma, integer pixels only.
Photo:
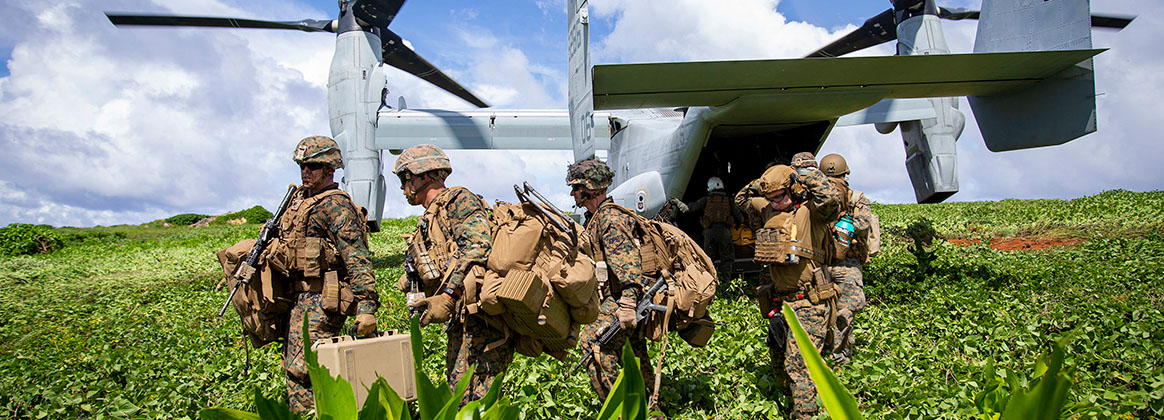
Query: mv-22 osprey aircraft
[{"x": 1029, "y": 81}]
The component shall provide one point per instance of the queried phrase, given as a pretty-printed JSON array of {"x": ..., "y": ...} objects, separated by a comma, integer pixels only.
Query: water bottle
[{"x": 845, "y": 229}]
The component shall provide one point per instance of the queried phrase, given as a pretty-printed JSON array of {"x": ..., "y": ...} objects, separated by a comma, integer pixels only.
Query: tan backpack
[
  {"x": 262, "y": 303},
  {"x": 539, "y": 280},
  {"x": 872, "y": 240},
  {"x": 666, "y": 248}
]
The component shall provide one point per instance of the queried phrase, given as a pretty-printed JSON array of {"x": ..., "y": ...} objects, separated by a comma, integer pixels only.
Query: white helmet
[{"x": 714, "y": 184}]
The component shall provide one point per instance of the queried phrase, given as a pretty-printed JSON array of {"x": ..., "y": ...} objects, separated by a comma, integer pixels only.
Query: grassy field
[{"x": 120, "y": 321}]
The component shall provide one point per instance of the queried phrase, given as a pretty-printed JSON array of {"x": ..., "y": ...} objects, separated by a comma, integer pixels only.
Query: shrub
[
  {"x": 254, "y": 215},
  {"x": 25, "y": 239},
  {"x": 185, "y": 219}
]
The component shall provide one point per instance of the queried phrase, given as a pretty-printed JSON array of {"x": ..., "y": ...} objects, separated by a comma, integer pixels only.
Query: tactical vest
[
  {"x": 430, "y": 248},
  {"x": 718, "y": 209},
  {"x": 802, "y": 278},
  {"x": 296, "y": 254}
]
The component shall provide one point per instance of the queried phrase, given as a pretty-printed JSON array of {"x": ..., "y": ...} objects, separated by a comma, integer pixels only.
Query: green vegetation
[
  {"x": 120, "y": 322},
  {"x": 25, "y": 239},
  {"x": 185, "y": 219},
  {"x": 253, "y": 215}
]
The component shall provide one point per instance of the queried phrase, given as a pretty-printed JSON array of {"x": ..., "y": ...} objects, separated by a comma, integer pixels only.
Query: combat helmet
[
  {"x": 834, "y": 165},
  {"x": 420, "y": 159},
  {"x": 779, "y": 177},
  {"x": 714, "y": 184},
  {"x": 590, "y": 173},
  {"x": 803, "y": 160},
  {"x": 319, "y": 149}
]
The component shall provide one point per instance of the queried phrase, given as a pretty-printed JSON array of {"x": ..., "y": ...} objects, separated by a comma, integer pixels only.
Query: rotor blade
[
  {"x": 396, "y": 54},
  {"x": 306, "y": 25},
  {"x": 878, "y": 29},
  {"x": 377, "y": 13},
  {"x": 1097, "y": 20}
]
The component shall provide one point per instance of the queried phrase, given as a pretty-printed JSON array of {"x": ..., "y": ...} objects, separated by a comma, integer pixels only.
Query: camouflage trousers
[
  {"x": 606, "y": 364},
  {"x": 320, "y": 324},
  {"x": 791, "y": 371},
  {"x": 472, "y": 341},
  {"x": 717, "y": 243},
  {"x": 848, "y": 279}
]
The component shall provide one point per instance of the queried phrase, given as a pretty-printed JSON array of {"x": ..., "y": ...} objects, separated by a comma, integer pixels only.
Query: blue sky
[{"x": 108, "y": 126}]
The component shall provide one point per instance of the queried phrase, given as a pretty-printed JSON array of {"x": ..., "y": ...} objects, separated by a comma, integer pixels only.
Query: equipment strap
[{"x": 807, "y": 253}]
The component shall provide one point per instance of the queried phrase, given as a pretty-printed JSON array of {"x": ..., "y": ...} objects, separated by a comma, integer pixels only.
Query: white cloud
[{"x": 104, "y": 125}]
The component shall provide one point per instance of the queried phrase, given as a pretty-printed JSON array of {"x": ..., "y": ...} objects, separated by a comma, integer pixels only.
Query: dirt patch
[{"x": 1012, "y": 243}]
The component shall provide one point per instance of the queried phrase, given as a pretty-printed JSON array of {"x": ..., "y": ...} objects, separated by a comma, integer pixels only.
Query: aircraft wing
[
  {"x": 483, "y": 129},
  {"x": 717, "y": 83}
]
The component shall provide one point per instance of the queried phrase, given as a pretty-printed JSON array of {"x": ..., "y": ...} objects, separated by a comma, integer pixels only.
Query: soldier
[
  {"x": 454, "y": 234},
  {"x": 803, "y": 205},
  {"x": 847, "y": 273},
  {"x": 621, "y": 283},
  {"x": 321, "y": 220},
  {"x": 719, "y": 215}
]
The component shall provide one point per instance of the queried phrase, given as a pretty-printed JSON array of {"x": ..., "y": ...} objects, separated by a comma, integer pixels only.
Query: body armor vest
[
  {"x": 429, "y": 246},
  {"x": 296, "y": 253},
  {"x": 810, "y": 239},
  {"x": 717, "y": 210}
]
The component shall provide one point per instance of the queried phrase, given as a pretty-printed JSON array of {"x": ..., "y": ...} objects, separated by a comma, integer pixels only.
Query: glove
[
  {"x": 365, "y": 324},
  {"x": 626, "y": 313},
  {"x": 437, "y": 308}
]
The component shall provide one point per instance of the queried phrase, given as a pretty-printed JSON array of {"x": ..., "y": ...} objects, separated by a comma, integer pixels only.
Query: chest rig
[
  {"x": 431, "y": 246},
  {"x": 294, "y": 252}
]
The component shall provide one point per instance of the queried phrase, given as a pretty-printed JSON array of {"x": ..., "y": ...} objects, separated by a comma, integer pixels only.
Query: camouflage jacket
[
  {"x": 336, "y": 218},
  {"x": 613, "y": 231},
  {"x": 463, "y": 218},
  {"x": 752, "y": 203}
]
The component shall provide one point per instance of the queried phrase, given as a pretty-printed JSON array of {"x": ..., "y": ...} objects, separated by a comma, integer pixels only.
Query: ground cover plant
[{"x": 119, "y": 322}]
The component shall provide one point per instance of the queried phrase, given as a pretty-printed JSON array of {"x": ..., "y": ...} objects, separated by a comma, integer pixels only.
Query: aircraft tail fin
[
  {"x": 581, "y": 79},
  {"x": 1053, "y": 111}
]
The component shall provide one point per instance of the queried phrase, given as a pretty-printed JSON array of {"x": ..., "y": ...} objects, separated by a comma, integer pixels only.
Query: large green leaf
[
  {"x": 837, "y": 400},
  {"x": 334, "y": 397},
  {"x": 395, "y": 407},
  {"x": 629, "y": 390},
  {"x": 453, "y": 404},
  {"x": 1045, "y": 400},
  {"x": 226, "y": 414},
  {"x": 273, "y": 410},
  {"x": 429, "y": 398}
]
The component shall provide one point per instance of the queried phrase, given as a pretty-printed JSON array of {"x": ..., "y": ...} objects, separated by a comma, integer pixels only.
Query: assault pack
[
  {"x": 691, "y": 284},
  {"x": 539, "y": 280}
]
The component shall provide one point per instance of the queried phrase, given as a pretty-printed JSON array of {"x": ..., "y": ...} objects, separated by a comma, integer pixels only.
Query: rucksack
[
  {"x": 261, "y": 304},
  {"x": 872, "y": 240},
  {"x": 692, "y": 282},
  {"x": 539, "y": 280}
]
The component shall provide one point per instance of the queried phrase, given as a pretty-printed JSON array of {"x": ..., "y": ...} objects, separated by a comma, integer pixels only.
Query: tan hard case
[{"x": 360, "y": 361}]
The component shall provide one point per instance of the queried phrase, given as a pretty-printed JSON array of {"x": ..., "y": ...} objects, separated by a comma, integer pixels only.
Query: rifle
[
  {"x": 414, "y": 294},
  {"x": 642, "y": 311},
  {"x": 246, "y": 270}
]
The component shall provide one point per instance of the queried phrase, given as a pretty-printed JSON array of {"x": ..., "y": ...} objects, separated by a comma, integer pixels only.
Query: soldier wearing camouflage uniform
[
  {"x": 718, "y": 215},
  {"x": 621, "y": 283},
  {"x": 322, "y": 214},
  {"x": 456, "y": 232},
  {"x": 806, "y": 199},
  {"x": 847, "y": 273}
]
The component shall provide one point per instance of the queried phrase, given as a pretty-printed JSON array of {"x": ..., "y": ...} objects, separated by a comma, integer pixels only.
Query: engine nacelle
[
  {"x": 931, "y": 152},
  {"x": 643, "y": 193}
]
